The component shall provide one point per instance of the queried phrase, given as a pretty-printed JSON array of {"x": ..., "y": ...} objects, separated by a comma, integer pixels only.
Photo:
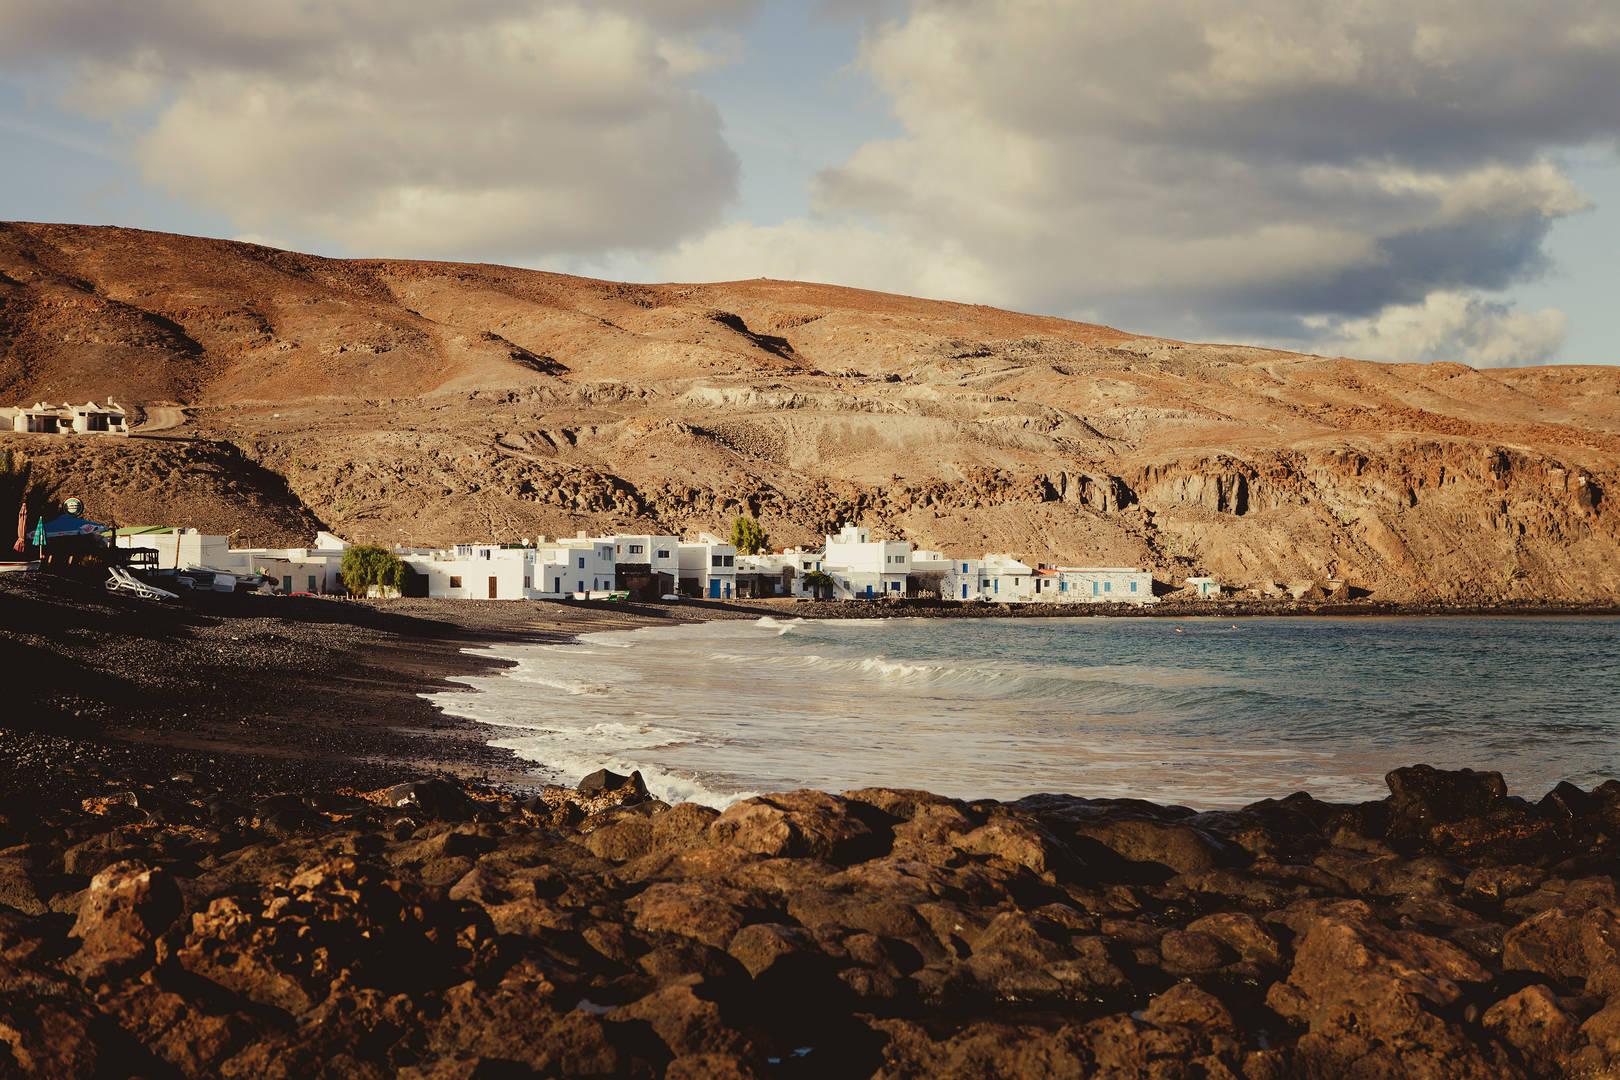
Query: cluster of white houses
[
  {"x": 43, "y": 418},
  {"x": 850, "y": 565}
]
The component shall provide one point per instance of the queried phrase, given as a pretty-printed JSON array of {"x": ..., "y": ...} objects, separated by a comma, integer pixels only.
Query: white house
[
  {"x": 87, "y": 419},
  {"x": 999, "y": 579},
  {"x": 306, "y": 569},
  {"x": 863, "y": 568},
  {"x": 473, "y": 571},
  {"x": 708, "y": 568},
  {"x": 779, "y": 573},
  {"x": 648, "y": 565},
  {"x": 1007, "y": 580},
  {"x": 1105, "y": 585},
  {"x": 1203, "y": 588},
  {"x": 581, "y": 564}
]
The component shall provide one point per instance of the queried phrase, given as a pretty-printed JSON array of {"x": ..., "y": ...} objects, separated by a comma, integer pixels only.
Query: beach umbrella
[{"x": 39, "y": 533}]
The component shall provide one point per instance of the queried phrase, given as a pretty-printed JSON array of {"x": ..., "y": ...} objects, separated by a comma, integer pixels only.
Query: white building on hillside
[
  {"x": 67, "y": 419},
  {"x": 708, "y": 568},
  {"x": 863, "y": 568},
  {"x": 1203, "y": 588}
]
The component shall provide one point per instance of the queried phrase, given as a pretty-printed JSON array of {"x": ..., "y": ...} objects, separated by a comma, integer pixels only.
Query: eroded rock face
[{"x": 877, "y": 933}]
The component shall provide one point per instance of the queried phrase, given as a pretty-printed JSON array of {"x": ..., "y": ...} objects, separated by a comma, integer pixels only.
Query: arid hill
[{"x": 431, "y": 402}]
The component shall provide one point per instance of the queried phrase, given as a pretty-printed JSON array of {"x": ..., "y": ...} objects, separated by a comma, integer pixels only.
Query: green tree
[
  {"x": 364, "y": 567},
  {"x": 747, "y": 536},
  {"x": 820, "y": 583}
]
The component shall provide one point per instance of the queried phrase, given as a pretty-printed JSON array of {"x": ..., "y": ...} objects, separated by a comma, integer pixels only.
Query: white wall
[
  {"x": 713, "y": 564},
  {"x": 1107, "y": 584},
  {"x": 862, "y": 567}
]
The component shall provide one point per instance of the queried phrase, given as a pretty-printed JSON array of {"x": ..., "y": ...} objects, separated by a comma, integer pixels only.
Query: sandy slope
[{"x": 436, "y": 401}]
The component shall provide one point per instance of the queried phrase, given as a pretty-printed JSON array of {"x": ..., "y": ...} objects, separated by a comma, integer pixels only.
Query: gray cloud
[{"x": 492, "y": 129}]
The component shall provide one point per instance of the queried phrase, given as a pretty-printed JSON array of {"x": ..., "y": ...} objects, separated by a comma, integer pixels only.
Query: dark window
[
  {"x": 663, "y": 553},
  {"x": 731, "y": 560},
  {"x": 582, "y": 562},
  {"x": 715, "y": 561},
  {"x": 455, "y": 582},
  {"x": 636, "y": 549}
]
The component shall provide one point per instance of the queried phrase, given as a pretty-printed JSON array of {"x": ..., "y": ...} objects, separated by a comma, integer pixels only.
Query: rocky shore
[
  {"x": 234, "y": 841},
  {"x": 169, "y": 927}
]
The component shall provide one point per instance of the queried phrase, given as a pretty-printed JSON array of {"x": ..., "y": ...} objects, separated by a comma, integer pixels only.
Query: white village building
[
  {"x": 551, "y": 570},
  {"x": 708, "y": 568},
  {"x": 1105, "y": 585},
  {"x": 67, "y": 419},
  {"x": 863, "y": 568},
  {"x": 646, "y": 566},
  {"x": 301, "y": 569}
]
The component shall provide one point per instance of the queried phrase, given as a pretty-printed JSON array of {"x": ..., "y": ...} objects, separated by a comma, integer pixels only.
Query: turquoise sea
[{"x": 1206, "y": 712}]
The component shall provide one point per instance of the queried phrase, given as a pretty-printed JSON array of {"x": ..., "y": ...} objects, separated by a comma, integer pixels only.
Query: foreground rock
[{"x": 437, "y": 930}]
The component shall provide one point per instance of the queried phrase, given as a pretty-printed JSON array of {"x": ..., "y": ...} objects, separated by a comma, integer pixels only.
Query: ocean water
[{"x": 1205, "y": 712}]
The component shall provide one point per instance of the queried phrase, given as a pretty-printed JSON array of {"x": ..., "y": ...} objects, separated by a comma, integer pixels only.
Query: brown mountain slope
[{"x": 434, "y": 402}]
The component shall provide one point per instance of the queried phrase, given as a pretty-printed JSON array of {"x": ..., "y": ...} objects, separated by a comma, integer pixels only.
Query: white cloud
[
  {"x": 1244, "y": 164},
  {"x": 501, "y": 129},
  {"x": 1448, "y": 326}
]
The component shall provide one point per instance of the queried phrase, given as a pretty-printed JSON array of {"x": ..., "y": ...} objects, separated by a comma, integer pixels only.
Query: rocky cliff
[{"x": 433, "y": 402}]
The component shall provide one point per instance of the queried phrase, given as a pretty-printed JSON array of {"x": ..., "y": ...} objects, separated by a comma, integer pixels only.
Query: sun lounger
[{"x": 122, "y": 581}]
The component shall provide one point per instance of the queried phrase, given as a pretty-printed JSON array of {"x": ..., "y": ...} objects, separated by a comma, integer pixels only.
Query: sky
[{"x": 1406, "y": 180}]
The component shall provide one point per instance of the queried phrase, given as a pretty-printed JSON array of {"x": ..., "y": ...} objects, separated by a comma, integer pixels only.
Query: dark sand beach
[{"x": 234, "y": 840}]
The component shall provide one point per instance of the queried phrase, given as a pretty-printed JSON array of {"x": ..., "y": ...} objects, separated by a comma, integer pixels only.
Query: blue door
[
  {"x": 869, "y": 592},
  {"x": 964, "y": 592},
  {"x": 714, "y": 589}
]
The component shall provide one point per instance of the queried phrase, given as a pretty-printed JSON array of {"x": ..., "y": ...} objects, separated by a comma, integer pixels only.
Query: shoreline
[
  {"x": 235, "y": 840},
  {"x": 297, "y": 691},
  {"x": 277, "y": 691}
]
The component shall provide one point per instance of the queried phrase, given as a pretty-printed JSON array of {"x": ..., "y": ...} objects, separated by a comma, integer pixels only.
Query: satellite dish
[{"x": 74, "y": 506}]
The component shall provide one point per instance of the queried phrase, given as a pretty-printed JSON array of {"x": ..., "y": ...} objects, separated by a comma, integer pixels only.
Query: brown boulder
[
  {"x": 628, "y": 837},
  {"x": 1582, "y": 949},
  {"x": 1366, "y": 991},
  {"x": 1018, "y": 957},
  {"x": 1535, "y": 1024},
  {"x": 1020, "y": 842},
  {"x": 711, "y": 914},
  {"x": 127, "y": 906},
  {"x": 1243, "y": 934},
  {"x": 1185, "y": 1005},
  {"x": 797, "y": 824},
  {"x": 1188, "y": 952},
  {"x": 759, "y": 946},
  {"x": 18, "y": 887},
  {"x": 1421, "y": 797}
]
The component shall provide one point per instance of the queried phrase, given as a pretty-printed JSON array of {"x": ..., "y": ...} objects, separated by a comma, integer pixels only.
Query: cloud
[
  {"x": 1449, "y": 326},
  {"x": 1233, "y": 168},
  {"x": 498, "y": 129}
]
